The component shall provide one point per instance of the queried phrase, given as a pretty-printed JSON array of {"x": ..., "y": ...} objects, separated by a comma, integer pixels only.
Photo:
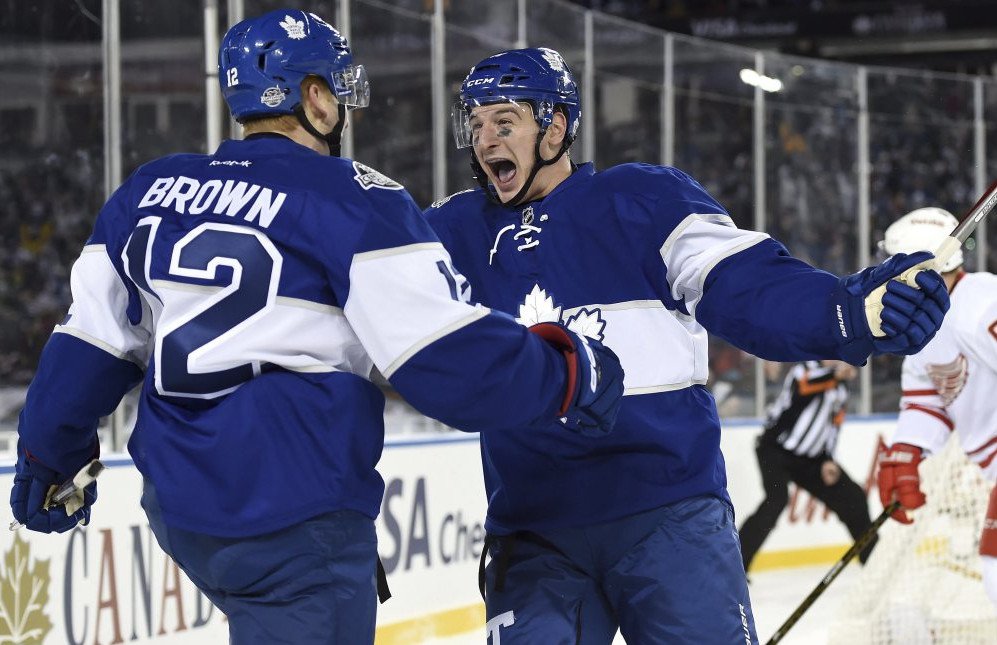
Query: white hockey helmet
[{"x": 922, "y": 230}]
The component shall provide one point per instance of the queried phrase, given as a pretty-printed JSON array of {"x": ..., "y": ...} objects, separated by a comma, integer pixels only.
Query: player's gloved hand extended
[
  {"x": 876, "y": 314},
  {"x": 34, "y": 482},
  {"x": 898, "y": 479},
  {"x": 595, "y": 380}
]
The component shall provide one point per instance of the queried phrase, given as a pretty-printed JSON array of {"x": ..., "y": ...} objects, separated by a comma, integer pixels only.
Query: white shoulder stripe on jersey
[
  {"x": 96, "y": 342},
  {"x": 403, "y": 299},
  {"x": 100, "y": 303},
  {"x": 696, "y": 245},
  {"x": 737, "y": 248},
  {"x": 309, "y": 304},
  {"x": 366, "y": 256},
  {"x": 477, "y": 314},
  {"x": 713, "y": 218}
]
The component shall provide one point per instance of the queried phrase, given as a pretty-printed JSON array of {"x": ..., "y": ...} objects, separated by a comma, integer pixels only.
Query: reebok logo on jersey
[
  {"x": 369, "y": 178},
  {"x": 245, "y": 164}
]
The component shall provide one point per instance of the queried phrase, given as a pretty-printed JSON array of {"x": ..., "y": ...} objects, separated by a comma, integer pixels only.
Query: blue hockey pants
[
  {"x": 312, "y": 583},
  {"x": 672, "y": 575}
]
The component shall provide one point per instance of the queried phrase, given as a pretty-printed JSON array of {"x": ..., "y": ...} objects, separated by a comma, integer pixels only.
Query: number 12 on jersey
[{"x": 197, "y": 321}]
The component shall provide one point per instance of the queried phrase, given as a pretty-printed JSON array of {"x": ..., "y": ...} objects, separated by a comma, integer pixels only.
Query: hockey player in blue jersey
[
  {"x": 253, "y": 292},
  {"x": 635, "y": 531}
]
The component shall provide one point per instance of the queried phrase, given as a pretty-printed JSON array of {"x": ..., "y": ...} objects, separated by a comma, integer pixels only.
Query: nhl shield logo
[
  {"x": 272, "y": 96},
  {"x": 528, "y": 215}
]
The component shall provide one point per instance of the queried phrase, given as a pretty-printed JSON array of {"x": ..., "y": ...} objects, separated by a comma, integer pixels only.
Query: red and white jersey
[{"x": 951, "y": 384}]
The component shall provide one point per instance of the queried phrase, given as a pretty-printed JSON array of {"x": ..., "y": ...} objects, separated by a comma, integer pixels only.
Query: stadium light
[{"x": 767, "y": 83}]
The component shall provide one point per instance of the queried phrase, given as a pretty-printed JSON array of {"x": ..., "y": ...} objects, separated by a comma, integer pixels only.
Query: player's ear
[
  {"x": 317, "y": 98},
  {"x": 556, "y": 131}
]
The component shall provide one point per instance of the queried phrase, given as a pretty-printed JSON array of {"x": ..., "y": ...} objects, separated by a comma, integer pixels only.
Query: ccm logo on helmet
[{"x": 481, "y": 81}]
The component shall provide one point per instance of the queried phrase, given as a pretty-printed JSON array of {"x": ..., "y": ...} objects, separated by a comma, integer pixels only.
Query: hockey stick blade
[{"x": 833, "y": 572}]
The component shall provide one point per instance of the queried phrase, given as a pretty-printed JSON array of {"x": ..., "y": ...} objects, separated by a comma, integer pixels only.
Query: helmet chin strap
[
  {"x": 334, "y": 138},
  {"x": 538, "y": 163}
]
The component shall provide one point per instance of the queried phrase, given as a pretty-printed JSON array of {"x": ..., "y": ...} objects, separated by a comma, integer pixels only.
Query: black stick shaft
[{"x": 833, "y": 573}]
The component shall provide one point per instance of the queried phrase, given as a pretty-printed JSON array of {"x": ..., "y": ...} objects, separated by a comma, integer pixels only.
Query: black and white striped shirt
[{"x": 805, "y": 417}]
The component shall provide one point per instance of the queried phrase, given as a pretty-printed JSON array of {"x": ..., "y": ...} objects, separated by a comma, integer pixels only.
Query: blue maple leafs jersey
[
  {"x": 254, "y": 292},
  {"x": 643, "y": 259}
]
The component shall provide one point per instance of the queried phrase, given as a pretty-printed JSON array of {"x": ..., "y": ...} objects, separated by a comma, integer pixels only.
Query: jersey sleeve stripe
[
  {"x": 982, "y": 448},
  {"x": 96, "y": 342},
  {"x": 935, "y": 413},
  {"x": 920, "y": 393},
  {"x": 477, "y": 314},
  {"x": 367, "y": 256}
]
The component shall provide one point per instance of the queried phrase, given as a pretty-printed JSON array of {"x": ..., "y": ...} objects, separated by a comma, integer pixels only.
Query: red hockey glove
[
  {"x": 898, "y": 479},
  {"x": 595, "y": 380}
]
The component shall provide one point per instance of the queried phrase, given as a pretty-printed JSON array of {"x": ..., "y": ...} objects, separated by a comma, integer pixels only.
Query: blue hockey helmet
[
  {"x": 262, "y": 61},
  {"x": 538, "y": 76}
]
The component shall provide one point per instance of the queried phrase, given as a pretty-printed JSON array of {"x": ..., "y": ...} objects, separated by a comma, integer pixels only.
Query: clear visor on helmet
[
  {"x": 460, "y": 117},
  {"x": 352, "y": 87}
]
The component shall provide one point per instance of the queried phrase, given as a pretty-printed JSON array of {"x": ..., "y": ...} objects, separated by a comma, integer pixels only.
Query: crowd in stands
[{"x": 49, "y": 204}]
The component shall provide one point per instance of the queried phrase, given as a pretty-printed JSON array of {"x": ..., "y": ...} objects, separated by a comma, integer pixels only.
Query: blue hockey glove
[
  {"x": 908, "y": 316},
  {"x": 595, "y": 380},
  {"x": 33, "y": 483}
]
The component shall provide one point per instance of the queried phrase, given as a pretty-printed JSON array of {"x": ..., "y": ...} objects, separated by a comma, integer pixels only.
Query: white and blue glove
[
  {"x": 880, "y": 311},
  {"x": 34, "y": 483},
  {"x": 595, "y": 380}
]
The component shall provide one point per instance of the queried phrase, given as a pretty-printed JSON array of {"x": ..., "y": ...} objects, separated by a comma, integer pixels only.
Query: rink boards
[{"x": 110, "y": 583}]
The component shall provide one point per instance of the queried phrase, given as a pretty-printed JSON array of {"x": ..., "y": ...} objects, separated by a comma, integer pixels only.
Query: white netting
[{"x": 923, "y": 583}]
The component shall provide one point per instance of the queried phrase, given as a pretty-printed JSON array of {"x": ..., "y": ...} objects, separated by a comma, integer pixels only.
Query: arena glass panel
[
  {"x": 162, "y": 81},
  {"x": 394, "y": 133},
  {"x": 811, "y": 168},
  {"x": 714, "y": 122},
  {"x": 51, "y": 176},
  {"x": 629, "y": 90},
  {"x": 561, "y": 26},
  {"x": 324, "y": 9},
  {"x": 492, "y": 21},
  {"x": 921, "y": 143},
  {"x": 990, "y": 165},
  {"x": 464, "y": 48}
]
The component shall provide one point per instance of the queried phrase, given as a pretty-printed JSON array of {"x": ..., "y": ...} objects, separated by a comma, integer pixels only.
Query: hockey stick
[
  {"x": 860, "y": 544},
  {"x": 950, "y": 245}
]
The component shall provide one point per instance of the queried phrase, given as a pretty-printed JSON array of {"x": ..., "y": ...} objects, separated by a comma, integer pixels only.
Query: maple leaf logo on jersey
[
  {"x": 587, "y": 323},
  {"x": 538, "y": 307},
  {"x": 295, "y": 28}
]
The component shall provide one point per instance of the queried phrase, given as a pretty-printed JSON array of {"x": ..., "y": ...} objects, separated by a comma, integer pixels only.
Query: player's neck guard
[{"x": 334, "y": 138}]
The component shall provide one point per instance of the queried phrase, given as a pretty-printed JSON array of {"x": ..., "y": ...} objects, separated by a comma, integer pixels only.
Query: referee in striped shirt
[{"x": 801, "y": 432}]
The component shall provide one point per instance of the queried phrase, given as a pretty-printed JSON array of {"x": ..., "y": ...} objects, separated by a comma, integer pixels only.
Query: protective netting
[{"x": 923, "y": 583}]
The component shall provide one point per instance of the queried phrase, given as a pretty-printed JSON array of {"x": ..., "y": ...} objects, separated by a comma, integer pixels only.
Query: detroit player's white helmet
[{"x": 922, "y": 230}]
